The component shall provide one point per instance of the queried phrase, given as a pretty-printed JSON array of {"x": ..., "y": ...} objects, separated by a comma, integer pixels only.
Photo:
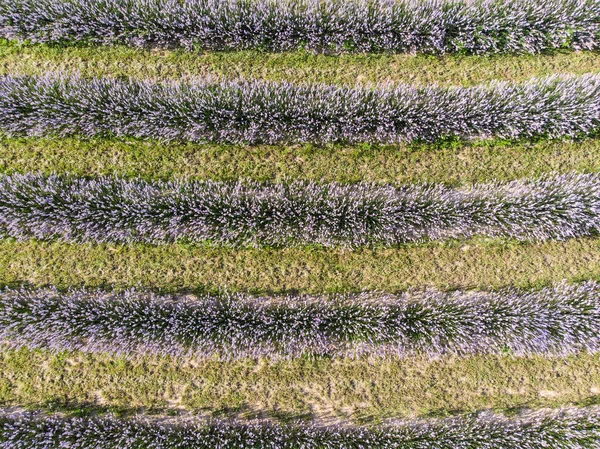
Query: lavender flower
[
  {"x": 560, "y": 320},
  {"x": 432, "y": 26},
  {"x": 562, "y": 429},
  {"x": 272, "y": 112},
  {"x": 110, "y": 209}
]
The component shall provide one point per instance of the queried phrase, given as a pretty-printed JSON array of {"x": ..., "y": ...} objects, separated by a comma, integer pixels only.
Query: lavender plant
[
  {"x": 561, "y": 320},
  {"x": 433, "y": 26},
  {"x": 271, "y": 112},
  {"x": 111, "y": 209},
  {"x": 563, "y": 429}
]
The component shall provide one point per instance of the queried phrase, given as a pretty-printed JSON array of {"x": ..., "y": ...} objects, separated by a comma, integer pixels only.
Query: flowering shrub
[
  {"x": 433, "y": 26},
  {"x": 272, "y": 112},
  {"x": 561, "y": 320},
  {"x": 562, "y": 429},
  {"x": 110, "y": 209}
]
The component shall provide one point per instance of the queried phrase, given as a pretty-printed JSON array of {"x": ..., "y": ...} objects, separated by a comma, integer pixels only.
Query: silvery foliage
[
  {"x": 117, "y": 210},
  {"x": 561, "y": 320},
  {"x": 574, "y": 428},
  {"x": 272, "y": 112},
  {"x": 433, "y": 26}
]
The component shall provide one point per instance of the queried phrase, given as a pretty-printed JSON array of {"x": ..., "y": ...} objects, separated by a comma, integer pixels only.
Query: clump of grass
[
  {"x": 561, "y": 320},
  {"x": 110, "y": 209},
  {"x": 272, "y": 112},
  {"x": 475, "y": 27},
  {"x": 563, "y": 429}
]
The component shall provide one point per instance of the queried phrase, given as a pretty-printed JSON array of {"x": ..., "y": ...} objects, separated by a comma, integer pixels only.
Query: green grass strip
[
  {"x": 169, "y": 268},
  {"x": 303, "y": 67},
  {"x": 449, "y": 164},
  {"x": 323, "y": 389}
]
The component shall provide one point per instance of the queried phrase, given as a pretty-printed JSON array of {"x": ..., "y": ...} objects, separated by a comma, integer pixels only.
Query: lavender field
[{"x": 299, "y": 224}]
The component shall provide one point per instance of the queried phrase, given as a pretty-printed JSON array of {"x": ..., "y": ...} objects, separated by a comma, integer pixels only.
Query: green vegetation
[
  {"x": 450, "y": 164},
  {"x": 456, "y": 264},
  {"x": 325, "y": 389},
  {"x": 302, "y": 67}
]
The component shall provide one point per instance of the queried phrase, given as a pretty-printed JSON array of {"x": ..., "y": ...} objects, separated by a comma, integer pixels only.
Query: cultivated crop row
[
  {"x": 481, "y": 26},
  {"x": 561, "y": 320},
  {"x": 111, "y": 209},
  {"x": 563, "y": 429},
  {"x": 255, "y": 111}
]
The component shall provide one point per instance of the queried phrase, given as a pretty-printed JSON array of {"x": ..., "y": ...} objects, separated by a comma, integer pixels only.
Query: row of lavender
[
  {"x": 434, "y": 26},
  {"x": 563, "y": 429},
  {"x": 112, "y": 209},
  {"x": 256, "y": 111},
  {"x": 564, "y": 319}
]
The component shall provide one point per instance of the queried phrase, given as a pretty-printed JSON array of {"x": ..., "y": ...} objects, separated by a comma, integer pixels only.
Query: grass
[
  {"x": 451, "y": 164},
  {"x": 323, "y": 389},
  {"x": 169, "y": 268},
  {"x": 298, "y": 66}
]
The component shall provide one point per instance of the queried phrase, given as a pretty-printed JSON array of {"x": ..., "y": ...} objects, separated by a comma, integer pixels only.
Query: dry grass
[
  {"x": 457, "y": 264},
  {"x": 450, "y": 163},
  {"x": 294, "y": 66},
  {"x": 326, "y": 390}
]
